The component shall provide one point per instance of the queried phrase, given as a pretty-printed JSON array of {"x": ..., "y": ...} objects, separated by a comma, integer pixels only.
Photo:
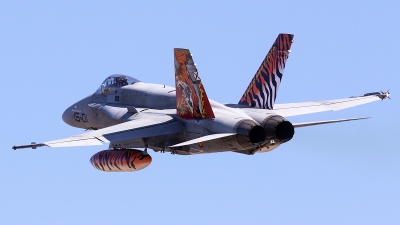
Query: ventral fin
[{"x": 191, "y": 98}]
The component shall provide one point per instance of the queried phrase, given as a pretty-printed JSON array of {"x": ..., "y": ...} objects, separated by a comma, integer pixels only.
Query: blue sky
[{"x": 55, "y": 53}]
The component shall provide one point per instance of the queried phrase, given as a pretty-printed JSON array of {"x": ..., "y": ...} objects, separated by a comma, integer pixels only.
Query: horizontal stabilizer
[
  {"x": 203, "y": 139},
  {"x": 296, "y": 125}
]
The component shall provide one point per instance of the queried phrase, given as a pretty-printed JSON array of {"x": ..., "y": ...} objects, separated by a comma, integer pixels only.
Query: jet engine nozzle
[
  {"x": 121, "y": 160},
  {"x": 257, "y": 134},
  {"x": 249, "y": 133},
  {"x": 277, "y": 127},
  {"x": 284, "y": 130}
]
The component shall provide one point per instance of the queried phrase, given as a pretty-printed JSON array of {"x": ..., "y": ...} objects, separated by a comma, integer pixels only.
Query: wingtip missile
[
  {"x": 33, "y": 145},
  {"x": 382, "y": 95}
]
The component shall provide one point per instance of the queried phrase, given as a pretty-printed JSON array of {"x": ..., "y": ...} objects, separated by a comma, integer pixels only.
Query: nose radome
[{"x": 67, "y": 116}]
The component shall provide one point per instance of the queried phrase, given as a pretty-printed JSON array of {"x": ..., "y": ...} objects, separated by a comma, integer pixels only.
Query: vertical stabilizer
[
  {"x": 191, "y": 98},
  {"x": 263, "y": 88}
]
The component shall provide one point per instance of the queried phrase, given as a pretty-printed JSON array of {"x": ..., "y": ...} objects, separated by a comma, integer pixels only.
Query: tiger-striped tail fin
[
  {"x": 263, "y": 88},
  {"x": 191, "y": 98}
]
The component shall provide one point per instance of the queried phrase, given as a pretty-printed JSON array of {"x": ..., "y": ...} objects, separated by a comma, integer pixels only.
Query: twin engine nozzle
[{"x": 273, "y": 127}]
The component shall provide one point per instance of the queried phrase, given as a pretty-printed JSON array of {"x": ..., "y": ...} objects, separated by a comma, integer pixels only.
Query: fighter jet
[{"x": 128, "y": 114}]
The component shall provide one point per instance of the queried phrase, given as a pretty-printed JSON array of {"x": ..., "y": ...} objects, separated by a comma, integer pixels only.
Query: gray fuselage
[{"x": 104, "y": 109}]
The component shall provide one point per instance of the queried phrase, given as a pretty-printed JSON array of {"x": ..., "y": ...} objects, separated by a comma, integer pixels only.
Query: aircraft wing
[
  {"x": 143, "y": 125},
  {"x": 295, "y": 109}
]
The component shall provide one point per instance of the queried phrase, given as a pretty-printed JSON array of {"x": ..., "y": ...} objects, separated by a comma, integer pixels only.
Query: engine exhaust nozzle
[{"x": 284, "y": 130}]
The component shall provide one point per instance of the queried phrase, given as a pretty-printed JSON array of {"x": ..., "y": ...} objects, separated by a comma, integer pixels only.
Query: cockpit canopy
[{"x": 114, "y": 82}]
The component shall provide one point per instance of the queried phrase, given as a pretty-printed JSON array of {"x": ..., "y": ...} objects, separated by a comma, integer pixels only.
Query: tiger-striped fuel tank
[{"x": 124, "y": 160}]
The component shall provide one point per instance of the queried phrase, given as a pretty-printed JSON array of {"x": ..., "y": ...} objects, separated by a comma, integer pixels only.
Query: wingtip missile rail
[{"x": 382, "y": 95}]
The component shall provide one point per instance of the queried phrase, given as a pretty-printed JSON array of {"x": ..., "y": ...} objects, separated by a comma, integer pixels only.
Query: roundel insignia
[{"x": 200, "y": 144}]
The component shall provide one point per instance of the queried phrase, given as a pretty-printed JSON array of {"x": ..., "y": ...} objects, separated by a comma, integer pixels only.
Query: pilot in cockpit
[
  {"x": 114, "y": 82},
  {"x": 121, "y": 81}
]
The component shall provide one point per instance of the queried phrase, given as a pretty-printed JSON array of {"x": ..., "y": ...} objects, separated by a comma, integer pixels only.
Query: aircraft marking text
[{"x": 80, "y": 117}]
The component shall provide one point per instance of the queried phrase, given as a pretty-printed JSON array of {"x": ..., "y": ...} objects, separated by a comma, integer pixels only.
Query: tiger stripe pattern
[
  {"x": 262, "y": 90},
  {"x": 120, "y": 160}
]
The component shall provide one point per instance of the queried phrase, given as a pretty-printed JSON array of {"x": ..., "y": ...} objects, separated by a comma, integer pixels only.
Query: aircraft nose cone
[{"x": 67, "y": 116}]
